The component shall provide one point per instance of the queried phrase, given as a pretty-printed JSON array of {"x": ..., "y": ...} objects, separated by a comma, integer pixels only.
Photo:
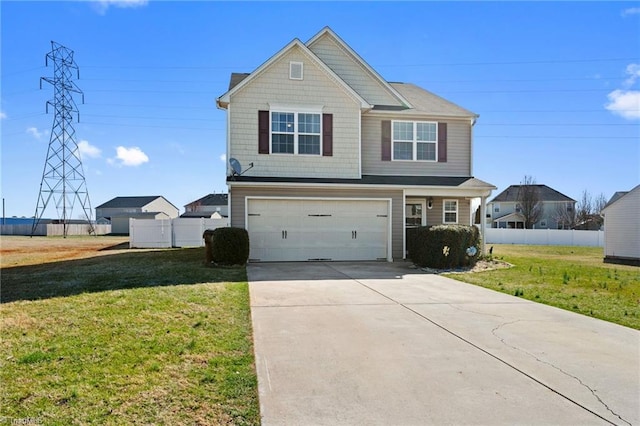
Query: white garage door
[{"x": 298, "y": 230}]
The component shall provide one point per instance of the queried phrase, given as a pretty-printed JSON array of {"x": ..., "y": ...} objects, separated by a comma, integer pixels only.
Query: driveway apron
[{"x": 374, "y": 343}]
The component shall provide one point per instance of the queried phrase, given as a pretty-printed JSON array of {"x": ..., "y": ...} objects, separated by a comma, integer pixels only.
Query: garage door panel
[{"x": 293, "y": 230}]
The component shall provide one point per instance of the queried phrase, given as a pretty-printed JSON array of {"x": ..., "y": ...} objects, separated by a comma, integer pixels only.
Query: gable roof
[
  {"x": 618, "y": 195},
  {"x": 212, "y": 200},
  {"x": 423, "y": 101},
  {"x": 223, "y": 101},
  {"x": 515, "y": 216},
  {"x": 545, "y": 193},
  {"x": 135, "y": 202},
  {"x": 328, "y": 32},
  {"x": 237, "y": 77}
]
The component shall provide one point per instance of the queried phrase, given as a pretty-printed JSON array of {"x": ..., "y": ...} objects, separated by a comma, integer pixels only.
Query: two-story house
[
  {"x": 207, "y": 206},
  {"x": 342, "y": 160},
  {"x": 119, "y": 210},
  {"x": 556, "y": 209}
]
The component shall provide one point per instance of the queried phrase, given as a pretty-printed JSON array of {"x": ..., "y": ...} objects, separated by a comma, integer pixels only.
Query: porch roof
[{"x": 511, "y": 217}]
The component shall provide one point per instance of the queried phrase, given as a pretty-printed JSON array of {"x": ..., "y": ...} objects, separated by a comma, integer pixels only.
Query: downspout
[{"x": 483, "y": 224}]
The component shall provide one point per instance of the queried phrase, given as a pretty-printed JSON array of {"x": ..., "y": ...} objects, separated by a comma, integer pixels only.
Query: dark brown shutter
[
  {"x": 263, "y": 132},
  {"x": 386, "y": 140},
  {"x": 327, "y": 135},
  {"x": 442, "y": 142}
]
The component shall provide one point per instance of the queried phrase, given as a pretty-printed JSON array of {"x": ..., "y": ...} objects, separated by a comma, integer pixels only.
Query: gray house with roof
[
  {"x": 504, "y": 211},
  {"x": 119, "y": 210},
  {"x": 208, "y": 206},
  {"x": 343, "y": 161}
]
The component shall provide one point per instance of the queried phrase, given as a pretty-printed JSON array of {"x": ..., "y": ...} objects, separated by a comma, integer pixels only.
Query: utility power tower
[{"x": 63, "y": 176}]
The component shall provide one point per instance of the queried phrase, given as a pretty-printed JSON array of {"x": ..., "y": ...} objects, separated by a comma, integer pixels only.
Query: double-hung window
[
  {"x": 450, "y": 211},
  {"x": 415, "y": 140},
  {"x": 295, "y": 133}
]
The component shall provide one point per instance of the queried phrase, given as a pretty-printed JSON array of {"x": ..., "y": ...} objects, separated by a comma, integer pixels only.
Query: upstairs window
[
  {"x": 414, "y": 140},
  {"x": 295, "y": 133}
]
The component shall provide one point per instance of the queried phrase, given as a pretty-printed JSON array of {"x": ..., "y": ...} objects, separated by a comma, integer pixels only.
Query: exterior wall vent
[{"x": 295, "y": 70}]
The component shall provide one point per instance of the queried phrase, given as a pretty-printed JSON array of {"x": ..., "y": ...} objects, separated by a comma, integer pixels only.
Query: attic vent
[{"x": 295, "y": 70}]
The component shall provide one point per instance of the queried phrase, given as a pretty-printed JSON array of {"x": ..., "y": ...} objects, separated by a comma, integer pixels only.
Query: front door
[{"x": 415, "y": 216}]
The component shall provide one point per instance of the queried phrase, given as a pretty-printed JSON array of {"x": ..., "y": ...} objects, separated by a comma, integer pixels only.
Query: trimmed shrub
[
  {"x": 227, "y": 246},
  {"x": 445, "y": 246}
]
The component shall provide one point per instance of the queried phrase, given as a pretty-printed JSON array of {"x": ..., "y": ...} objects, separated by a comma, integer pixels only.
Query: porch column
[{"x": 483, "y": 222}]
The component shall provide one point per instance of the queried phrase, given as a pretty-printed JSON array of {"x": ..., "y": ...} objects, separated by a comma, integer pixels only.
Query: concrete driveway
[{"x": 384, "y": 344}]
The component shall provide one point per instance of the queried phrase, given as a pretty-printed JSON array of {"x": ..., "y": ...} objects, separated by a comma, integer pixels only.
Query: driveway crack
[{"x": 566, "y": 373}]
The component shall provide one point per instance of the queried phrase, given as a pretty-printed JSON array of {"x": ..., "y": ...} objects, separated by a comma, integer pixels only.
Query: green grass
[
  {"x": 571, "y": 278},
  {"x": 135, "y": 338}
]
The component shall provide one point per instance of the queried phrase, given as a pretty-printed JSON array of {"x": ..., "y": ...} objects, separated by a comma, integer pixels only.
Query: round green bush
[
  {"x": 227, "y": 246},
  {"x": 445, "y": 246}
]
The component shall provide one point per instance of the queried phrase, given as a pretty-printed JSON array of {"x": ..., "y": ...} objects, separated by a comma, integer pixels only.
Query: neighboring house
[
  {"x": 622, "y": 228},
  {"x": 342, "y": 160},
  {"x": 120, "y": 209},
  {"x": 503, "y": 211},
  {"x": 207, "y": 206}
]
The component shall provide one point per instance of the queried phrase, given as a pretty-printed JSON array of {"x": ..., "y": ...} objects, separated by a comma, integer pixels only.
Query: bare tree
[
  {"x": 529, "y": 201},
  {"x": 599, "y": 203},
  {"x": 565, "y": 216},
  {"x": 584, "y": 208}
]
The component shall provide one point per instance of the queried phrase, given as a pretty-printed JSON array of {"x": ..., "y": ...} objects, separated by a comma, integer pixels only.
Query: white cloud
[
  {"x": 2, "y": 115},
  {"x": 223, "y": 158},
  {"x": 634, "y": 73},
  {"x": 625, "y": 103},
  {"x": 103, "y": 5},
  {"x": 129, "y": 156},
  {"x": 630, "y": 11},
  {"x": 87, "y": 150},
  {"x": 33, "y": 131}
]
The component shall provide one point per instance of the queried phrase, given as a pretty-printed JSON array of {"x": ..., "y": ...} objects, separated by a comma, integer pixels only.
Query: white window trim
[
  {"x": 421, "y": 201},
  {"x": 444, "y": 211},
  {"x": 295, "y": 132},
  {"x": 415, "y": 141}
]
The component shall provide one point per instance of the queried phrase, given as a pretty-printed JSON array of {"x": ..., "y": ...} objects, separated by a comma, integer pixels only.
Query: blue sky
[{"x": 556, "y": 85}]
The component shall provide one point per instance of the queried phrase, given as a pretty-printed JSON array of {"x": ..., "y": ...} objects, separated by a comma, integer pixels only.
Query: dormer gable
[
  {"x": 354, "y": 70},
  {"x": 296, "y": 73}
]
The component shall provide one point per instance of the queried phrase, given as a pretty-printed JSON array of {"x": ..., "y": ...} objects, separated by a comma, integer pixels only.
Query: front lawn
[
  {"x": 572, "y": 278},
  {"x": 137, "y": 337}
]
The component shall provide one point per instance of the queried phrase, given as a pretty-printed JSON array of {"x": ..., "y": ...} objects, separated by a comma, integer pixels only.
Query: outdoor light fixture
[{"x": 430, "y": 203}]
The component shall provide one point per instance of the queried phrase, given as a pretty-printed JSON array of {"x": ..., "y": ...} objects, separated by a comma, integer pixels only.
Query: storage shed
[{"x": 622, "y": 228}]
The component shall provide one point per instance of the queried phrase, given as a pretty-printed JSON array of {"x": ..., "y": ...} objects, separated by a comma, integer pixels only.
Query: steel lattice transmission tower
[{"x": 63, "y": 176}]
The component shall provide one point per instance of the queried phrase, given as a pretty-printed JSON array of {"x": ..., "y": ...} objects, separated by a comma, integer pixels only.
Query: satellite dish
[{"x": 235, "y": 166}]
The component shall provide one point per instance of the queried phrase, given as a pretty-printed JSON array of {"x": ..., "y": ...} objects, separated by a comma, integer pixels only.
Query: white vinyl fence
[
  {"x": 50, "y": 229},
  {"x": 545, "y": 237},
  {"x": 165, "y": 233}
]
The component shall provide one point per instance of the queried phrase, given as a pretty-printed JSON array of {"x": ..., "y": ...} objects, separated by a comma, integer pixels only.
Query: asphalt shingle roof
[
  {"x": 545, "y": 194},
  {"x": 212, "y": 200},
  {"x": 424, "y": 101},
  {"x": 375, "y": 180},
  {"x": 120, "y": 202}
]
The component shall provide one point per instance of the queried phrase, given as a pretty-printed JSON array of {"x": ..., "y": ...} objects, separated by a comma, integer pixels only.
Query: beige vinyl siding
[
  {"x": 458, "y": 150},
  {"x": 622, "y": 227},
  {"x": 162, "y": 205},
  {"x": 239, "y": 193},
  {"x": 343, "y": 64},
  {"x": 435, "y": 215},
  {"x": 273, "y": 86}
]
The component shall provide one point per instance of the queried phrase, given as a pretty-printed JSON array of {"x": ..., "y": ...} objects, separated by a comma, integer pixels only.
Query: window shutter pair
[
  {"x": 386, "y": 141},
  {"x": 263, "y": 133}
]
